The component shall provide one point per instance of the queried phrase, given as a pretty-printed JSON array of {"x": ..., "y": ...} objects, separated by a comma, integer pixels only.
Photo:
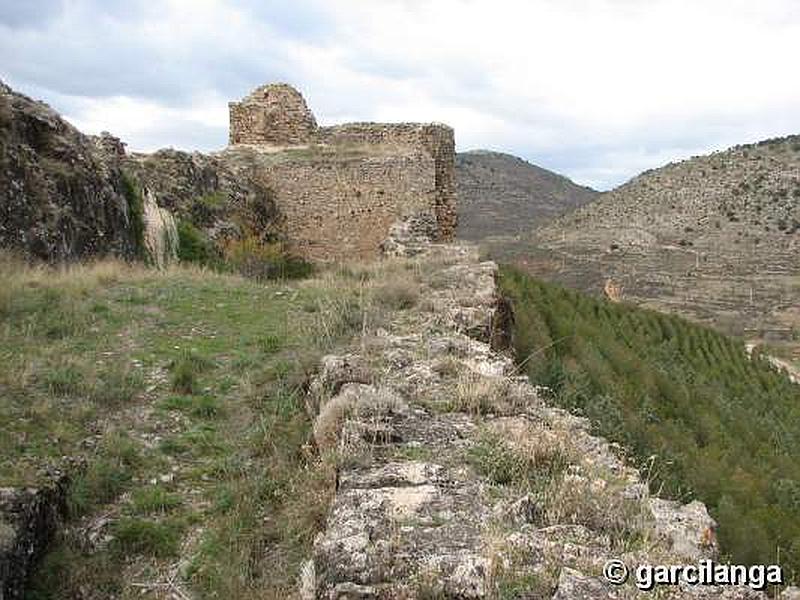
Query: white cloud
[{"x": 597, "y": 89}]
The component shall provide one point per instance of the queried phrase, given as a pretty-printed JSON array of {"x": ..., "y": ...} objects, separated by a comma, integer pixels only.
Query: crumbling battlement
[
  {"x": 272, "y": 115},
  {"x": 340, "y": 187}
]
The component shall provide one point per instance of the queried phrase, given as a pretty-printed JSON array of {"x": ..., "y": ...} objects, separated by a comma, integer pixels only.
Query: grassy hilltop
[{"x": 181, "y": 393}]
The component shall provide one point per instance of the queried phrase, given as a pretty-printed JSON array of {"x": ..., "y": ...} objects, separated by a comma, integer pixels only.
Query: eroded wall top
[
  {"x": 339, "y": 188},
  {"x": 272, "y": 115}
]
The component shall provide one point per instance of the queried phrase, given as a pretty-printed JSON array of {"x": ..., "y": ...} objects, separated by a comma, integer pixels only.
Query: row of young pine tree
[{"x": 701, "y": 418}]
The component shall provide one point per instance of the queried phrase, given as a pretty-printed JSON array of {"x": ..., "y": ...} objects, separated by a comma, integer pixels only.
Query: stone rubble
[{"x": 413, "y": 517}]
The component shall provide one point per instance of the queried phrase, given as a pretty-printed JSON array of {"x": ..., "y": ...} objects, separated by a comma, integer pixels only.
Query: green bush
[
  {"x": 252, "y": 257},
  {"x": 723, "y": 427},
  {"x": 194, "y": 245},
  {"x": 133, "y": 197}
]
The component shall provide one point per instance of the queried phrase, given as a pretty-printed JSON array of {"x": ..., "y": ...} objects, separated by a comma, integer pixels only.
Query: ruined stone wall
[
  {"x": 433, "y": 138},
  {"x": 273, "y": 115},
  {"x": 343, "y": 209},
  {"x": 361, "y": 177},
  {"x": 420, "y": 423}
]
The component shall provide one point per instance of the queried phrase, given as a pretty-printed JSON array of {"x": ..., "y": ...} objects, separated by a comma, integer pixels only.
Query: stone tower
[{"x": 272, "y": 115}]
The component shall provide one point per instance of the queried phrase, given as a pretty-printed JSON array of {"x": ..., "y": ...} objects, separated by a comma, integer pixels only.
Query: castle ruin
[{"x": 340, "y": 188}]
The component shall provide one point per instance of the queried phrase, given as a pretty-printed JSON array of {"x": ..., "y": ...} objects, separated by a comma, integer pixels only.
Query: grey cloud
[
  {"x": 101, "y": 49},
  {"x": 30, "y": 13},
  {"x": 94, "y": 49}
]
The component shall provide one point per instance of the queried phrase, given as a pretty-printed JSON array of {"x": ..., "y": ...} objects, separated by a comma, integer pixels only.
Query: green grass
[
  {"x": 133, "y": 535},
  {"x": 723, "y": 428},
  {"x": 108, "y": 474},
  {"x": 153, "y": 500},
  {"x": 186, "y": 370},
  {"x": 181, "y": 394}
]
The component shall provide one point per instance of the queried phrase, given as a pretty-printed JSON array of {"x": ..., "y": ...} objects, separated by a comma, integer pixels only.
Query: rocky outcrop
[
  {"x": 62, "y": 194},
  {"x": 458, "y": 480},
  {"x": 160, "y": 233},
  {"x": 28, "y": 520},
  {"x": 221, "y": 198}
]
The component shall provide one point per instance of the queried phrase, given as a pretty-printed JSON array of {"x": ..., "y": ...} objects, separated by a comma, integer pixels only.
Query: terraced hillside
[
  {"x": 714, "y": 238},
  {"x": 502, "y": 195}
]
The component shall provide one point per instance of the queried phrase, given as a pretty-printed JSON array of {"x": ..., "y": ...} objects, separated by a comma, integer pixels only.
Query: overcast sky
[{"x": 596, "y": 89}]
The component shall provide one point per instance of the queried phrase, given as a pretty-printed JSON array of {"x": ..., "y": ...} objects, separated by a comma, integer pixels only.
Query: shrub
[
  {"x": 205, "y": 208},
  {"x": 252, "y": 257},
  {"x": 194, "y": 245},
  {"x": 133, "y": 197}
]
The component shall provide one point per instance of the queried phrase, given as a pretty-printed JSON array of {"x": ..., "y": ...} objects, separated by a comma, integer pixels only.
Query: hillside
[
  {"x": 151, "y": 418},
  {"x": 700, "y": 415},
  {"x": 502, "y": 195},
  {"x": 219, "y": 449},
  {"x": 714, "y": 238}
]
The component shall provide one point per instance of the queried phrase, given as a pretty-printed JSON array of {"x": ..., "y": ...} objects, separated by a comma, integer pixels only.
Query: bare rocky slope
[
  {"x": 62, "y": 193},
  {"x": 714, "y": 238},
  {"x": 65, "y": 195},
  {"x": 502, "y": 195}
]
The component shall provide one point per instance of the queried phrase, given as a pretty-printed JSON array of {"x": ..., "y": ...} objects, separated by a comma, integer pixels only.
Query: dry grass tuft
[
  {"x": 570, "y": 494},
  {"x": 480, "y": 394}
]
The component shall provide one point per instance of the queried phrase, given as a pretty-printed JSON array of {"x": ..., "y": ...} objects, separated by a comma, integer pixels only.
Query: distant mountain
[
  {"x": 716, "y": 238},
  {"x": 502, "y": 195}
]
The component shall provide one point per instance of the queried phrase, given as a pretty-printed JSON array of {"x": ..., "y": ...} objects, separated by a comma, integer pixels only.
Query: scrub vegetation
[{"x": 701, "y": 418}]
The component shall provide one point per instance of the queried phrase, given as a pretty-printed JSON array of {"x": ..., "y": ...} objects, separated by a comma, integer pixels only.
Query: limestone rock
[
  {"x": 160, "y": 233},
  {"x": 334, "y": 372},
  {"x": 61, "y": 192},
  {"x": 689, "y": 528},
  {"x": 218, "y": 197},
  {"x": 573, "y": 585}
]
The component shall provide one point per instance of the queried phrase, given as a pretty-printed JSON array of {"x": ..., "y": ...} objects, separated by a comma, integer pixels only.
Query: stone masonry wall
[
  {"x": 354, "y": 181},
  {"x": 432, "y": 426},
  {"x": 343, "y": 209},
  {"x": 272, "y": 115},
  {"x": 434, "y": 138}
]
